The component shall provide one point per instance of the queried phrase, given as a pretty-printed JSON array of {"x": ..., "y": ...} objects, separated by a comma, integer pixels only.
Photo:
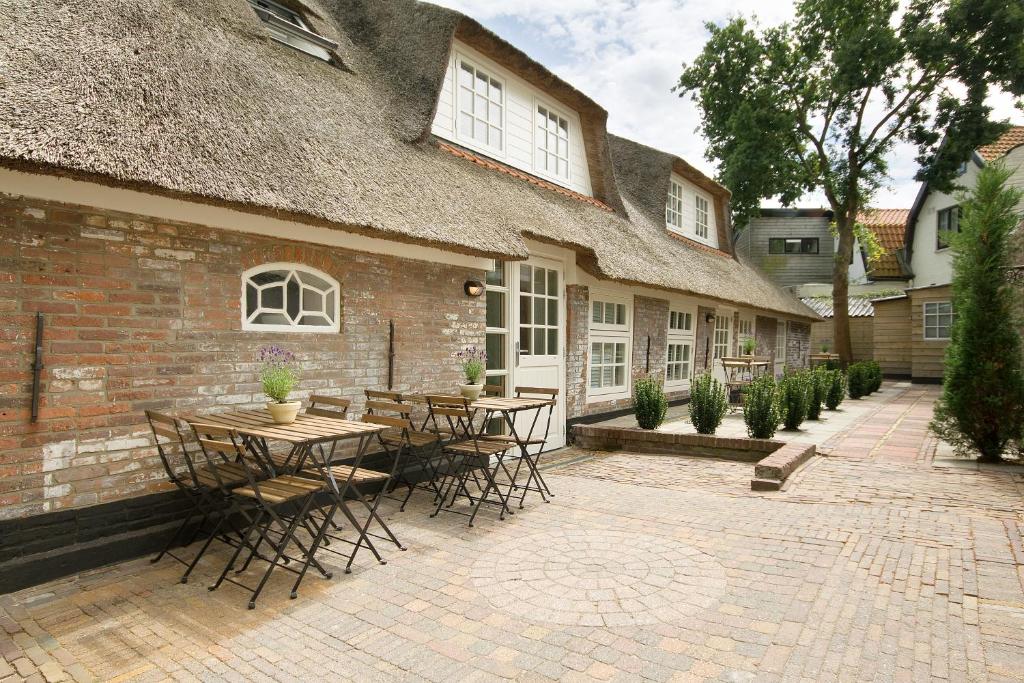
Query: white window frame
[
  {"x": 334, "y": 315},
  {"x": 701, "y": 228},
  {"x": 729, "y": 335},
  {"x": 605, "y": 333},
  {"x": 780, "y": 344},
  {"x": 674, "y": 207},
  {"x": 681, "y": 335},
  {"x": 745, "y": 330},
  {"x": 471, "y": 142},
  {"x": 936, "y": 327},
  {"x": 295, "y": 33},
  {"x": 539, "y": 152},
  {"x": 605, "y": 300}
]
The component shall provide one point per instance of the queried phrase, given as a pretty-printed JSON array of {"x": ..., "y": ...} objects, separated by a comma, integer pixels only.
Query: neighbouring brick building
[{"x": 170, "y": 206}]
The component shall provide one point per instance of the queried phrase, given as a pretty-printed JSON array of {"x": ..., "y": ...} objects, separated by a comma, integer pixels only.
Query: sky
[{"x": 627, "y": 55}]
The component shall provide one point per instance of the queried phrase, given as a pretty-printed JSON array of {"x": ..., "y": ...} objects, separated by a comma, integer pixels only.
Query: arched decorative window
[{"x": 287, "y": 297}]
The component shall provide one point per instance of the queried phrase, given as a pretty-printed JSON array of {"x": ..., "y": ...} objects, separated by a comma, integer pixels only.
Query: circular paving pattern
[{"x": 598, "y": 577}]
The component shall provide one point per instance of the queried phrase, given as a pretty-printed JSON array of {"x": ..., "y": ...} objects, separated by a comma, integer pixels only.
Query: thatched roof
[{"x": 195, "y": 100}]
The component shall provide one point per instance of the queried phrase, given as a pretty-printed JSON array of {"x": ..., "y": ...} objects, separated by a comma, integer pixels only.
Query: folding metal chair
[
  {"x": 274, "y": 507},
  {"x": 414, "y": 448},
  {"x": 533, "y": 440},
  {"x": 201, "y": 486},
  {"x": 469, "y": 456}
]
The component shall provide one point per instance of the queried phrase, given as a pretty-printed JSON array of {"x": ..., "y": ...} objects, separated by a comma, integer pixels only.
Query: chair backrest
[
  {"x": 328, "y": 406},
  {"x": 380, "y": 395},
  {"x": 550, "y": 393},
  {"x": 170, "y": 446},
  {"x": 493, "y": 390},
  {"x": 221, "y": 445},
  {"x": 453, "y": 411}
]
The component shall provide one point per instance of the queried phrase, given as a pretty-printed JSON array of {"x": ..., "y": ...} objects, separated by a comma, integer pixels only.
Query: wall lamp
[
  {"x": 709, "y": 317},
  {"x": 473, "y": 288}
]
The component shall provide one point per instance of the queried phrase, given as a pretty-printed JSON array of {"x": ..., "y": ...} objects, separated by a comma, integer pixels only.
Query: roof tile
[
  {"x": 890, "y": 226},
  {"x": 1012, "y": 138}
]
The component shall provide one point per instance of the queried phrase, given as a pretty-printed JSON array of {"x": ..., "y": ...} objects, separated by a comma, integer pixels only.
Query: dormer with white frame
[
  {"x": 487, "y": 108},
  {"x": 690, "y": 212}
]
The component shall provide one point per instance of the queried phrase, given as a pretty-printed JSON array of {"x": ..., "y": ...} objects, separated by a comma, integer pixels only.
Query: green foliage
[
  {"x": 874, "y": 375},
  {"x": 794, "y": 397},
  {"x": 474, "y": 362},
  {"x": 820, "y": 380},
  {"x": 749, "y": 344},
  {"x": 982, "y": 405},
  {"x": 857, "y": 380},
  {"x": 708, "y": 403},
  {"x": 836, "y": 388},
  {"x": 278, "y": 373},
  {"x": 761, "y": 408},
  {"x": 649, "y": 403},
  {"x": 819, "y": 103}
]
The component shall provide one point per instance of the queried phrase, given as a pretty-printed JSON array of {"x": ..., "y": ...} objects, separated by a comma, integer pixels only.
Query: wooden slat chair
[
  {"x": 466, "y": 457},
  {"x": 274, "y": 507},
  {"x": 201, "y": 487},
  {"x": 413, "y": 448},
  {"x": 354, "y": 481}
]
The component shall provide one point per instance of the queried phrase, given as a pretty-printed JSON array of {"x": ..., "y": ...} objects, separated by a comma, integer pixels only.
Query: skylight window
[{"x": 287, "y": 26}]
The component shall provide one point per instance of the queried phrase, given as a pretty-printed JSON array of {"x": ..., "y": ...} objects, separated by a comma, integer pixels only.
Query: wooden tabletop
[
  {"x": 305, "y": 429},
  {"x": 496, "y": 403}
]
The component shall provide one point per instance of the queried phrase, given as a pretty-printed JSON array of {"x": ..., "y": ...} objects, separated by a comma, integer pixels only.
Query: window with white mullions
[
  {"x": 289, "y": 298},
  {"x": 722, "y": 323},
  {"x": 701, "y": 212},
  {"x": 677, "y": 368},
  {"x": 481, "y": 104},
  {"x": 538, "y": 311},
  {"x": 674, "y": 206},
  {"x": 679, "y": 353},
  {"x": 938, "y": 320},
  {"x": 552, "y": 143},
  {"x": 947, "y": 223},
  {"x": 608, "y": 365}
]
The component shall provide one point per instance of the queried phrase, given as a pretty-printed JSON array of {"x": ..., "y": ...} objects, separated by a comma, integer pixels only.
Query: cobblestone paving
[{"x": 877, "y": 565}]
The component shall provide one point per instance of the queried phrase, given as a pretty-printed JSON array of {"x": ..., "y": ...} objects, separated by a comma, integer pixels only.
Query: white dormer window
[
  {"x": 481, "y": 107},
  {"x": 552, "y": 143},
  {"x": 701, "y": 210},
  {"x": 287, "y": 26},
  {"x": 674, "y": 207}
]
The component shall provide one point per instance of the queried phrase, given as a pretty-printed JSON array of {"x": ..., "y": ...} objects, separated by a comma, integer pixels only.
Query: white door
[
  {"x": 721, "y": 343},
  {"x": 525, "y": 337},
  {"x": 780, "y": 348}
]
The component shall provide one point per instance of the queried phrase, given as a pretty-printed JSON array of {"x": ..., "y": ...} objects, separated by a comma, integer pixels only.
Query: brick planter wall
[{"x": 144, "y": 314}]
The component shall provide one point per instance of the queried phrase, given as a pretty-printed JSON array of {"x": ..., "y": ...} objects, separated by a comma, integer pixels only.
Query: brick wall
[
  {"x": 577, "y": 349},
  {"x": 650, "y": 320},
  {"x": 765, "y": 329},
  {"x": 798, "y": 344},
  {"x": 144, "y": 314},
  {"x": 702, "y": 354}
]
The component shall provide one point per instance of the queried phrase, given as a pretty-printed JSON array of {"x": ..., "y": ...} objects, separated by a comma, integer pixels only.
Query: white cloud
[{"x": 627, "y": 55}]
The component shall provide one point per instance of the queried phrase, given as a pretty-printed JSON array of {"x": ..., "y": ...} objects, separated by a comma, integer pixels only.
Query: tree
[
  {"x": 818, "y": 103},
  {"x": 982, "y": 403}
]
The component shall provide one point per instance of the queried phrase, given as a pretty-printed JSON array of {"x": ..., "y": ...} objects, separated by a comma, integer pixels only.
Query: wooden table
[
  {"x": 507, "y": 408},
  {"x": 309, "y": 436}
]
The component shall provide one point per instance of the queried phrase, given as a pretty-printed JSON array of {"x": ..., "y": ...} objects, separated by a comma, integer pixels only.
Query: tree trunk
[{"x": 841, "y": 289}]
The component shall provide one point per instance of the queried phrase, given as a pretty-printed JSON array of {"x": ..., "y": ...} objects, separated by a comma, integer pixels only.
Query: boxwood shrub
[
  {"x": 708, "y": 403},
  {"x": 761, "y": 408}
]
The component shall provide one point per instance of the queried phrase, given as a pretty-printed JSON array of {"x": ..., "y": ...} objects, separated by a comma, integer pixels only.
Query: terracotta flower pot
[
  {"x": 284, "y": 413},
  {"x": 471, "y": 391}
]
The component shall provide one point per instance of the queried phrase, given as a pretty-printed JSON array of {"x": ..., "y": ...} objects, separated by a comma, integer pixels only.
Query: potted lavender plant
[
  {"x": 278, "y": 375},
  {"x": 474, "y": 362}
]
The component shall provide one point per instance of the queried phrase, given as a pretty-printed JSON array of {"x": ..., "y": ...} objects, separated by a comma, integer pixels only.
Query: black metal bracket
[
  {"x": 37, "y": 367},
  {"x": 391, "y": 354},
  {"x": 648, "y": 370}
]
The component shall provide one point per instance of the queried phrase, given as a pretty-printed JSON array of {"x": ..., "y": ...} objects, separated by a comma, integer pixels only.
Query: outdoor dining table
[
  {"x": 507, "y": 408},
  {"x": 313, "y": 439}
]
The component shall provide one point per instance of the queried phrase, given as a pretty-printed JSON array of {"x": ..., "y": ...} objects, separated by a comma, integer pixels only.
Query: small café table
[{"x": 313, "y": 439}]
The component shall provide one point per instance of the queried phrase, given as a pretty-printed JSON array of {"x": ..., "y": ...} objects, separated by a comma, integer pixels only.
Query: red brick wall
[{"x": 142, "y": 313}]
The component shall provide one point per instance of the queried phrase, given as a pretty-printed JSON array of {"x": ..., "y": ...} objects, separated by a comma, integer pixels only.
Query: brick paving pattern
[{"x": 875, "y": 562}]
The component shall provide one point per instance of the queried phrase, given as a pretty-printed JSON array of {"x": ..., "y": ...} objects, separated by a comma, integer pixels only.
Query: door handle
[{"x": 517, "y": 354}]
